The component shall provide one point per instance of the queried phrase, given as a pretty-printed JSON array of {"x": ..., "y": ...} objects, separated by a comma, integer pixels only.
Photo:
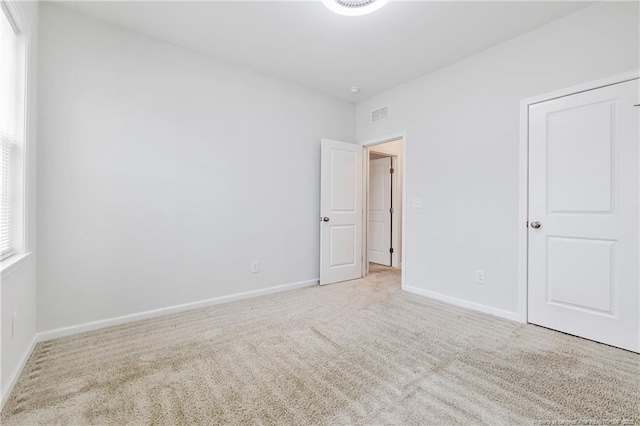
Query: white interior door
[
  {"x": 379, "y": 236},
  {"x": 583, "y": 213},
  {"x": 340, "y": 211}
]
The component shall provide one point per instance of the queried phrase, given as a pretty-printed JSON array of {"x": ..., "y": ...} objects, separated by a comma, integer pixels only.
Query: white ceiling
[{"x": 305, "y": 43}]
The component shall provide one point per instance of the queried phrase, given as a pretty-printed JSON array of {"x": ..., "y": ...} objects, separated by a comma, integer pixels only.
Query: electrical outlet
[
  {"x": 416, "y": 203},
  {"x": 480, "y": 277},
  {"x": 14, "y": 325},
  {"x": 255, "y": 267}
]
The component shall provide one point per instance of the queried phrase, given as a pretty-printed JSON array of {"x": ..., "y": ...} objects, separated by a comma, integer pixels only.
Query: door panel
[
  {"x": 582, "y": 132},
  {"x": 342, "y": 242},
  {"x": 379, "y": 236},
  {"x": 343, "y": 181},
  {"x": 580, "y": 260},
  {"x": 584, "y": 191},
  {"x": 340, "y": 211}
]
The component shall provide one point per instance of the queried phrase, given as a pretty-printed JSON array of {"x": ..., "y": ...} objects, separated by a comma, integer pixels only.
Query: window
[{"x": 12, "y": 131}]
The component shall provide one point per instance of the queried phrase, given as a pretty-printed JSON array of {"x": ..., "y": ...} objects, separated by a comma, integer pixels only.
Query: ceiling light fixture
[{"x": 354, "y": 7}]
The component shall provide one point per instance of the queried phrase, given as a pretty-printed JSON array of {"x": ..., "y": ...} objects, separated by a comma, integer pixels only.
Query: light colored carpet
[{"x": 361, "y": 352}]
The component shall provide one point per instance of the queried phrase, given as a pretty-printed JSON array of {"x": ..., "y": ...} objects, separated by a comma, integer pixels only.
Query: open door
[
  {"x": 340, "y": 211},
  {"x": 379, "y": 237}
]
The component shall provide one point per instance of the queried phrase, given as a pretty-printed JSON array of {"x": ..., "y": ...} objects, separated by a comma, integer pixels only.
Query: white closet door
[{"x": 583, "y": 213}]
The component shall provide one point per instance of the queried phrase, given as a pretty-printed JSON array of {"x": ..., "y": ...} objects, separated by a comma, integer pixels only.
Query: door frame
[
  {"x": 365, "y": 202},
  {"x": 393, "y": 180},
  {"x": 523, "y": 211}
]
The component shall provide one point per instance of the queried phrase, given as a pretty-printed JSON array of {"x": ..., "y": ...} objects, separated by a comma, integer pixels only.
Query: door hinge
[
  {"x": 391, "y": 250},
  {"x": 391, "y": 210},
  {"x": 391, "y": 170}
]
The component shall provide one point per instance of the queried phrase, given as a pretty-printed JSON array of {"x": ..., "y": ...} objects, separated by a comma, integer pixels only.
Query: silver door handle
[
  {"x": 536, "y": 225},
  {"x": 325, "y": 219}
]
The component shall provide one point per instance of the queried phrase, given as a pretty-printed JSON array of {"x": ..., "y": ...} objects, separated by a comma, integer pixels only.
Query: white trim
[
  {"x": 396, "y": 243},
  {"x": 377, "y": 141},
  {"x": 523, "y": 213},
  {"x": 24, "y": 33},
  {"x": 384, "y": 139},
  {"x": 169, "y": 310},
  {"x": 583, "y": 87},
  {"x": 17, "y": 372},
  {"x": 513, "y": 316},
  {"x": 11, "y": 264},
  {"x": 523, "y": 208},
  {"x": 29, "y": 75},
  {"x": 13, "y": 15},
  {"x": 396, "y": 164},
  {"x": 15, "y": 262},
  {"x": 365, "y": 210}
]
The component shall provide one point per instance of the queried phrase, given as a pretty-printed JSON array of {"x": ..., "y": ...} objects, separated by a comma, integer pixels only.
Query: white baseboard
[
  {"x": 16, "y": 373},
  {"x": 95, "y": 325},
  {"x": 513, "y": 316}
]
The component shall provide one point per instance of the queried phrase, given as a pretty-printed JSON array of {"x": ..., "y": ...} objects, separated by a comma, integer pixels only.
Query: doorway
[
  {"x": 344, "y": 212},
  {"x": 380, "y": 247},
  {"x": 384, "y": 204}
]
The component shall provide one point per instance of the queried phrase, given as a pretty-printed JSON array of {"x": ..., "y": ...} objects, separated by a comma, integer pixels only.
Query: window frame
[{"x": 19, "y": 158}]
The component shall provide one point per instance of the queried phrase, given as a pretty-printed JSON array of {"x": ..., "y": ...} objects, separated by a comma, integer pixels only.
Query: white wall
[
  {"x": 18, "y": 289},
  {"x": 462, "y": 129},
  {"x": 163, "y": 173}
]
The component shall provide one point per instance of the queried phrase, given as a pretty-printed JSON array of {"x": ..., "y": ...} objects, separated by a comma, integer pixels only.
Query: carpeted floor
[{"x": 361, "y": 352}]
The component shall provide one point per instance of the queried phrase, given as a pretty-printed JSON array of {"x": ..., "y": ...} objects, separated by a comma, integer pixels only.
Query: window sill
[{"x": 12, "y": 264}]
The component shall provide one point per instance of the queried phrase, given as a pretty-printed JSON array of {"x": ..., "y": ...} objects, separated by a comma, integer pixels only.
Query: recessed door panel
[
  {"x": 343, "y": 180},
  {"x": 376, "y": 239},
  {"x": 580, "y": 273},
  {"x": 580, "y": 146},
  {"x": 377, "y": 185},
  {"x": 343, "y": 240}
]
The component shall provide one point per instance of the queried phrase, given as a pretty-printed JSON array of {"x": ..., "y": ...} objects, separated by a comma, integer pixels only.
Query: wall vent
[{"x": 380, "y": 114}]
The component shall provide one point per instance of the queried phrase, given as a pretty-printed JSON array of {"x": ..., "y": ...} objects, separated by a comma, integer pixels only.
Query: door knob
[
  {"x": 536, "y": 225},
  {"x": 325, "y": 219}
]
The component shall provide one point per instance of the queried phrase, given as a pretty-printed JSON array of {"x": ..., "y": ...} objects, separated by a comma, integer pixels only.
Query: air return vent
[{"x": 380, "y": 114}]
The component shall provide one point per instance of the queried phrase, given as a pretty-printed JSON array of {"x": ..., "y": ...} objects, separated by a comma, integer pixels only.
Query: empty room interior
[{"x": 319, "y": 212}]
